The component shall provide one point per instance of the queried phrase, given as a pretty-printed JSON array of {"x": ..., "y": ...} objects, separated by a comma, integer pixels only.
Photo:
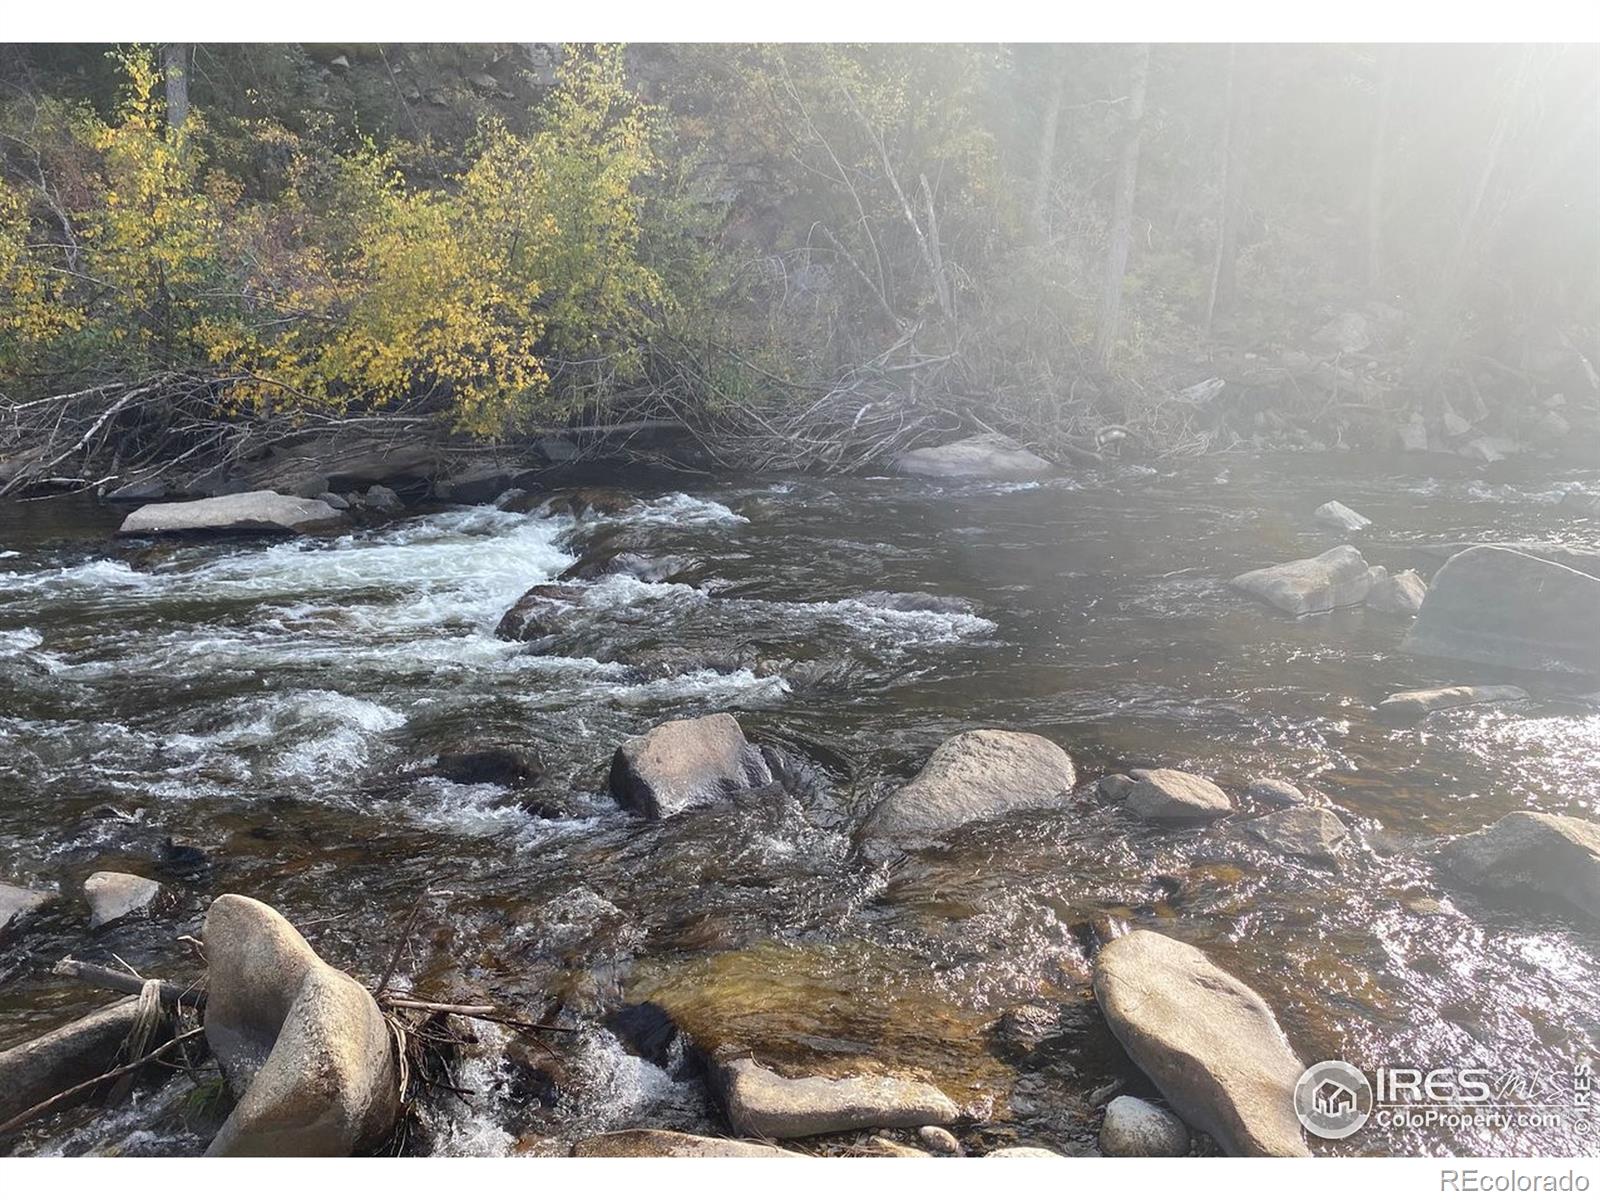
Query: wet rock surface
[
  {"x": 113, "y": 895},
  {"x": 663, "y": 1143},
  {"x": 1407, "y": 708},
  {"x": 985, "y": 456},
  {"x": 243, "y": 513},
  {"x": 683, "y": 764},
  {"x": 1134, "y": 1128},
  {"x": 46, "y": 1066},
  {"x": 1167, "y": 796},
  {"x": 1312, "y": 833}
]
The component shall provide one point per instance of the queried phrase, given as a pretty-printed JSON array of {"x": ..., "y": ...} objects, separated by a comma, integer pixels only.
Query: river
[{"x": 275, "y": 705}]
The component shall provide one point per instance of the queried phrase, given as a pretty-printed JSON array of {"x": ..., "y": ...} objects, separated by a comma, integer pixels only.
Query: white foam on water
[
  {"x": 612, "y": 1089},
  {"x": 15, "y": 641},
  {"x": 679, "y": 508},
  {"x": 898, "y": 626},
  {"x": 470, "y": 1126}
]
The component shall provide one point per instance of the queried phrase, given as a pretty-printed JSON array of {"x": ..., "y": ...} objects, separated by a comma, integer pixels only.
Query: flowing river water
[{"x": 275, "y": 706}]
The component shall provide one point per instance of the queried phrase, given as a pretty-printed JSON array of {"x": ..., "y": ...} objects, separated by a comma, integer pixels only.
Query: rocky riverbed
[{"x": 432, "y": 700}]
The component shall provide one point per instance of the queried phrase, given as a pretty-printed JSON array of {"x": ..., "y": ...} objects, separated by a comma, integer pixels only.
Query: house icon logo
[{"x": 1333, "y": 1099}]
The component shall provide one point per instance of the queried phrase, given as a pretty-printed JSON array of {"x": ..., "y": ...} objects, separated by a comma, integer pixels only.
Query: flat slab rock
[
  {"x": 1407, "y": 708},
  {"x": 682, "y": 764},
  {"x": 302, "y": 1045},
  {"x": 1540, "y": 852},
  {"x": 1175, "y": 797},
  {"x": 1504, "y": 608},
  {"x": 113, "y": 895},
  {"x": 984, "y": 456},
  {"x": 762, "y": 1103},
  {"x": 665, "y": 1143},
  {"x": 979, "y": 774},
  {"x": 1208, "y": 1041},
  {"x": 244, "y": 512},
  {"x": 1023, "y": 1152},
  {"x": 1337, "y": 578},
  {"x": 1307, "y": 832},
  {"x": 47, "y": 1065}
]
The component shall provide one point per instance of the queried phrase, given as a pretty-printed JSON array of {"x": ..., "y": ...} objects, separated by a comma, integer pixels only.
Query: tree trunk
[
  {"x": 1122, "y": 210},
  {"x": 1049, "y": 128},
  {"x": 1388, "y": 65},
  {"x": 1231, "y": 211},
  {"x": 175, "y": 68}
]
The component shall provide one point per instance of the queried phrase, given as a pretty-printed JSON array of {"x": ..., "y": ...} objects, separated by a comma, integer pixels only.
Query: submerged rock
[
  {"x": 1504, "y": 608},
  {"x": 1135, "y": 1128},
  {"x": 1407, "y": 708},
  {"x": 302, "y": 1045},
  {"x": 503, "y": 766},
  {"x": 1540, "y": 852},
  {"x": 762, "y": 1103},
  {"x": 1308, "y": 832},
  {"x": 113, "y": 895},
  {"x": 665, "y": 1143},
  {"x": 1400, "y": 594},
  {"x": 544, "y": 610},
  {"x": 682, "y": 764},
  {"x": 18, "y": 905},
  {"x": 975, "y": 775},
  {"x": 1338, "y": 516},
  {"x": 243, "y": 512},
  {"x": 1175, "y": 797},
  {"x": 1205, "y": 1039},
  {"x": 984, "y": 456},
  {"x": 1115, "y": 787},
  {"x": 582, "y": 502},
  {"x": 1336, "y": 578},
  {"x": 48, "y": 1065}
]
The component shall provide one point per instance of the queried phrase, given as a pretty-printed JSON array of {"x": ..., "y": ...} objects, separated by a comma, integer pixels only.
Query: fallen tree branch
[{"x": 191, "y": 994}]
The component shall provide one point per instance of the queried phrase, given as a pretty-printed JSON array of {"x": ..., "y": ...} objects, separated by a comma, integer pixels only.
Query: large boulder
[
  {"x": 666, "y": 1143},
  {"x": 244, "y": 512},
  {"x": 18, "y": 905},
  {"x": 762, "y": 1103},
  {"x": 1336, "y": 578},
  {"x": 1205, "y": 1039},
  {"x": 1540, "y": 852},
  {"x": 683, "y": 764},
  {"x": 1135, "y": 1128},
  {"x": 974, "y": 775},
  {"x": 1504, "y": 608},
  {"x": 302, "y": 1045},
  {"x": 113, "y": 895},
  {"x": 63, "y": 1058},
  {"x": 1407, "y": 708},
  {"x": 984, "y": 456},
  {"x": 1174, "y": 797}
]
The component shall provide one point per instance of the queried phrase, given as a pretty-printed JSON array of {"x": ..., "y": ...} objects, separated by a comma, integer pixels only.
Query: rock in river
[
  {"x": 682, "y": 764},
  {"x": 17, "y": 905},
  {"x": 1175, "y": 797},
  {"x": 1506, "y": 608},
  {"x": 63, "y": 1058},
  {"x": 113, "y": 895},
  {"x": 1339, "y": 516},
  {"x": 1135, "y": 1128},
  {"x": 1205, "y": 1039},
  {"x": 1400, "y": 595},
  {"x": 978, "y": 774},
  {"x": 1308, "y": 832},
  {"x": 1407, "y": 708},
  {"x": 504, "y": 766},
  {"x": 244, "y": 512},
  {"x": 1557, "y": 856},
  {"x": 1336, "y": 578},
  {"x": 985, "y": 456},
  {"x": 762, "y": 1103},
  {"x": 302, "y": 1045},
  {"x": 665, "y": 1143}
]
